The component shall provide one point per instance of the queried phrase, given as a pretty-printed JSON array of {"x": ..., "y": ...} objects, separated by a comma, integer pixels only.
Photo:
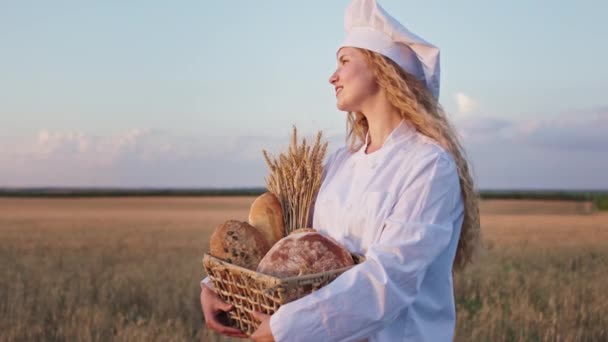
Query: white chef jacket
[{"x": 401, "y": 207}]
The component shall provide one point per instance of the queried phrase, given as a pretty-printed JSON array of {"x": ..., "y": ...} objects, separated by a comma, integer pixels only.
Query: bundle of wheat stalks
[{"x": 295, "y": 179}]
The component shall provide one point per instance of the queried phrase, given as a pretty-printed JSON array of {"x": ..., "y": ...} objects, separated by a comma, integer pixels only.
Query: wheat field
[{"x": 127, "y": 269}]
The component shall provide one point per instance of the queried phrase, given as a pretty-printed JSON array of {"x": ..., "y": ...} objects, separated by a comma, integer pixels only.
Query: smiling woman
[{"x": 400, "y": 193}]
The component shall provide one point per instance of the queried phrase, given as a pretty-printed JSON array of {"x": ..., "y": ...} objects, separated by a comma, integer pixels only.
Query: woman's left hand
[{"x": 263, "y": 332}]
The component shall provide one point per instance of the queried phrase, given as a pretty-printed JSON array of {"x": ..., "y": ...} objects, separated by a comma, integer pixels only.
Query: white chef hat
[{"x": 369, "y": 26}]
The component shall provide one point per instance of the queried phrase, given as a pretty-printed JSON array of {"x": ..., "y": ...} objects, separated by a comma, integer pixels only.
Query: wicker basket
[{"x": 249, "y": 290}]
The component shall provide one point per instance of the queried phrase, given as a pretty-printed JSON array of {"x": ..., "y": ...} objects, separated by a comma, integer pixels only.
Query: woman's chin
[
  {"x": 343, "y": 106},
  {"x": 346, "y": 104}
]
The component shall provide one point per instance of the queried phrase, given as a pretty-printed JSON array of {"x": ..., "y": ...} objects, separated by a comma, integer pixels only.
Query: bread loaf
[
  {"x": 238, "y": 243},
  {"x": 266, "y": 216},
  {"x": 302, "y": 230},
  {"x": 303, "y": 253}
]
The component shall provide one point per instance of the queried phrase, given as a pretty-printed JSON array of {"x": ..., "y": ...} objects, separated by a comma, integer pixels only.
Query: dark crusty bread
[
  {"x": 303, "y": 253},
  {"x": 238, "y": 243},
  {"x": 266, "y": 216}
]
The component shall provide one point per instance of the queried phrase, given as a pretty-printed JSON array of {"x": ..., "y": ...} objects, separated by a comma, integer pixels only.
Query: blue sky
[{"x": 187, "y": 93}]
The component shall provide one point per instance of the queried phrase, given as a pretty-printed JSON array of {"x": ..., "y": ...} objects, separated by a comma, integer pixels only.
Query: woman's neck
[{"x": 382, "y": 120}]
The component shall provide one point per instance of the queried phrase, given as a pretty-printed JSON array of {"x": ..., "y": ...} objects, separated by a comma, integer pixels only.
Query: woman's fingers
[
  {"x": 260, "y": 317},
  {"x": 212, "y": 306},
  {"x": 214, "y": 324},
  {"x": 238, "y": 335},
  {"x": 223, "y": 306}
]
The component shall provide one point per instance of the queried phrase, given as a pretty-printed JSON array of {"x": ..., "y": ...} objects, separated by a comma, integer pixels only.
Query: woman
[{"x": 400, "y": 193}]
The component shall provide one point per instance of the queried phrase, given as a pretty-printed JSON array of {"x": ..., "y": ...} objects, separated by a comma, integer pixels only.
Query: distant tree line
[
  {"x": 598, "y": 197},
  {"x": 125, "y": 192}
]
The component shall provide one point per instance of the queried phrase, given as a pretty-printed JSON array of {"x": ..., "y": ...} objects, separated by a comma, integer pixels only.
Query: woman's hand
[
  {"x": 263, "y": 332},
  {"x": 212, "y": 305}
]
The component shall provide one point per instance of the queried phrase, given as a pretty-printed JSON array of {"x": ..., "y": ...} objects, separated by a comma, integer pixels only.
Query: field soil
[{"x": 127, "y": 268}]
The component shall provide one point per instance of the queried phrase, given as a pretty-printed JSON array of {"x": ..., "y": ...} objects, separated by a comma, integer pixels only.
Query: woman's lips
[{"x": 338, "y": 89}]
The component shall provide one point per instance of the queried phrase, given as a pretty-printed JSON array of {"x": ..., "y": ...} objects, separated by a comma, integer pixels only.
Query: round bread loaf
[
  {"x": 238, "y": 243},
  {"x": 266, "y": 216},
  {"x": 303, "y": 253}
]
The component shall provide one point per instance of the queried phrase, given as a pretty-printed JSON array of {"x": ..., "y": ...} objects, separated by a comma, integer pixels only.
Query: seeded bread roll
[
  {"x": 266, "y": 216},
  {"x": 238, "y": 243},
  {"x": 303, "y": 253}
]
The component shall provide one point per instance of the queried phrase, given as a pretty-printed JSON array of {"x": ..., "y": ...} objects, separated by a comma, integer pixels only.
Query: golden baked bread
[
  {"x": 238, "y": 243},
  {"x": 303, "y": 253},
  {"x": 266, "y": 216},
  {"x": 303, "y": 230}
]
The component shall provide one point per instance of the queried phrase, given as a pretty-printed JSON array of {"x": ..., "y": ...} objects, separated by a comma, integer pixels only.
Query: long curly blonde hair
[{"x": 417, "y": 105}]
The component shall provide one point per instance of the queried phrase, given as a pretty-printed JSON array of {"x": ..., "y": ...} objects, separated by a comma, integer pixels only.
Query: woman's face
[{"x": 353, "y": 80}]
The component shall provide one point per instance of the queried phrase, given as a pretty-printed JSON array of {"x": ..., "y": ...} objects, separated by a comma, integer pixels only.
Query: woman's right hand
[{"x": 212, "y": 306}]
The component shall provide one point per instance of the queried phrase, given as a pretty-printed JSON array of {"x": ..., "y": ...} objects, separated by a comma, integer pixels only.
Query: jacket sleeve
[
  {"x": 370, "y": 295},
  {"x": 207, "y": 282}
]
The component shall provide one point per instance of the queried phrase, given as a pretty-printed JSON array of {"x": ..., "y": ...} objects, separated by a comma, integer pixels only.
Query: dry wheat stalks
[{"x": 295, "y": 178}]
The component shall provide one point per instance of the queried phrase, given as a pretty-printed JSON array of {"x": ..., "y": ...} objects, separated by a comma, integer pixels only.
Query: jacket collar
[{"x": 404, "y": 130}]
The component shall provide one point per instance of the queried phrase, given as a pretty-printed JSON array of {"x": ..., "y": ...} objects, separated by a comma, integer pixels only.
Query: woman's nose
[{"x": 334, "y": 77}]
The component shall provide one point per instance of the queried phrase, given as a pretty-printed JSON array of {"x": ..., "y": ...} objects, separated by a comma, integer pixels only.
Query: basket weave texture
[{"x": 249, "y": 290}]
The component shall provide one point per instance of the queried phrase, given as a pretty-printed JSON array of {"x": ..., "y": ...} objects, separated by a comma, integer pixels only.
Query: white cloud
[
  {"x": 465, "y": 103},
  {"x": 136, "y": 157},
  {"x": 482, "y": 128},
  {"x": 580, "y": 132},
  {"x": 564, "y": 152}
]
